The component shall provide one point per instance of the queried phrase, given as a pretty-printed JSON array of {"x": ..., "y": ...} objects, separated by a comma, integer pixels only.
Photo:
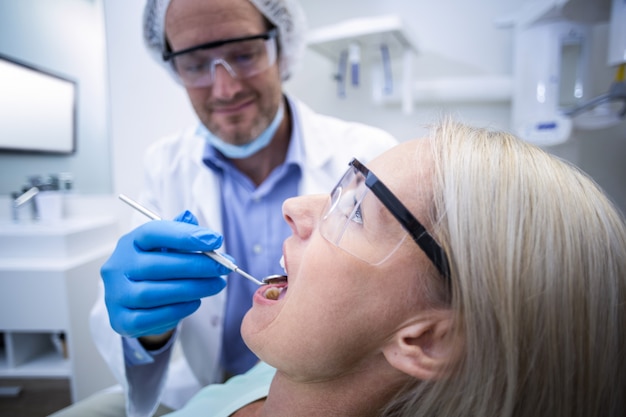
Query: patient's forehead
[
  {"x": 406, "y": 170},
  {"x": 403, "y": 162}
]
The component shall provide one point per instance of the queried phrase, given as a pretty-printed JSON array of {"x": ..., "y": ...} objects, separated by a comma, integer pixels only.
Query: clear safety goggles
[
  {"x": 241, "y": 57},
  {"x": 364, "y": 218}
]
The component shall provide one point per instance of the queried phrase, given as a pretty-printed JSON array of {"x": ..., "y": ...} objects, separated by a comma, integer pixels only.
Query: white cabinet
[{"x": 49, "y": 277}]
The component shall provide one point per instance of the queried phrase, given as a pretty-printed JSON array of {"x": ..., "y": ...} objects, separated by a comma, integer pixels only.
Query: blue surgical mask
[{"x": 243, "y": 151}]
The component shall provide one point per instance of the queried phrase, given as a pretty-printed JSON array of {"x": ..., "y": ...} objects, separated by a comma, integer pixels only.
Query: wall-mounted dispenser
[
  {"x": 617, "y": 33},
  {"x": 551, "y": 71},
  {"x": 552, "y": 68},
  {"x": 608, "y": 108}
]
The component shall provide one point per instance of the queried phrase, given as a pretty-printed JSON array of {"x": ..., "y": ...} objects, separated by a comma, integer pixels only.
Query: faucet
[
  {"x": 617, "y": 92},
  {"x": 24, "y": 198}
]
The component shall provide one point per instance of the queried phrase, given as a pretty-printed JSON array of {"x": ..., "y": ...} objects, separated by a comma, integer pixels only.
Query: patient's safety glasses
[
  {"x": 364, "y": 218},
  {"x": 241, "y": 57}
]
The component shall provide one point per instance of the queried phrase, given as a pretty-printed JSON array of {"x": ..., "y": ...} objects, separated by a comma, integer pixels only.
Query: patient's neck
[{"x": 361, "y": 394}]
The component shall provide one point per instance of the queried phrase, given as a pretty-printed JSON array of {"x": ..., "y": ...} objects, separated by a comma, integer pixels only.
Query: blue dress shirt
[{"x": 254, "y": 230}]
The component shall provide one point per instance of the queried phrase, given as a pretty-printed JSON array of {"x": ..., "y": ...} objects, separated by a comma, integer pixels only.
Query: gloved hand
[{"x": 153, "y": 279}]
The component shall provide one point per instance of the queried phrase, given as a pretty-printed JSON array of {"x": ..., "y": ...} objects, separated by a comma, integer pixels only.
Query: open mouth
[
  {"x": 275, "y": 292},
  {"x": 277, "y": 284}
]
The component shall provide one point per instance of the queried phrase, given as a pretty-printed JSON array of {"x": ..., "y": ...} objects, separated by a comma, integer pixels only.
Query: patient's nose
[{"x": 303, "y": 213}]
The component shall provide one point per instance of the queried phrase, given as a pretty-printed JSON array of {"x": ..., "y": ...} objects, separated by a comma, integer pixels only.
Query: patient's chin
[{"x": 256, "y": 328}]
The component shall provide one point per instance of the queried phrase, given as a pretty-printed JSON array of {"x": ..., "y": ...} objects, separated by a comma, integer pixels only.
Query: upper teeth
[{"x": 282, "y": 263}]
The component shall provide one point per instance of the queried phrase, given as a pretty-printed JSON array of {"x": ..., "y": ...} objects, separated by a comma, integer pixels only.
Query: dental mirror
[{"x": 275, "y": 279}]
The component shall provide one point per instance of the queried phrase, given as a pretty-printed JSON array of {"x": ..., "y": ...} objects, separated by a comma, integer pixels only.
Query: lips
[{"x": 232, "y": 107}]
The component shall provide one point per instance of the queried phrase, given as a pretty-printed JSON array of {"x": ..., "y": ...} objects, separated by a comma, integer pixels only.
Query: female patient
[{"x": 467, "y": 274}]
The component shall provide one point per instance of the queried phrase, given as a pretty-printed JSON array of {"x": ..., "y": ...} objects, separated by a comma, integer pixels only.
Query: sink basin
[{"x": 60, "y": 239}]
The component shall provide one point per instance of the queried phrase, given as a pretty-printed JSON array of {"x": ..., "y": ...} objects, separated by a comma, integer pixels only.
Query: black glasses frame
[
  {"x": 265, "y": 36},
  {"x": 417, "y": 231}
]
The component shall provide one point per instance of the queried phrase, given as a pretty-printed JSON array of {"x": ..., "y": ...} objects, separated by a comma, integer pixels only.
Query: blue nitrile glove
[{"x": 152, "y": 280}]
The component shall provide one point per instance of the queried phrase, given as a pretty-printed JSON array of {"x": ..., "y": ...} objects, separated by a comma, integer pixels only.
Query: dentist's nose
[
  {"x": 303, "y": 213},
  {"x": 225, "y": 82}
]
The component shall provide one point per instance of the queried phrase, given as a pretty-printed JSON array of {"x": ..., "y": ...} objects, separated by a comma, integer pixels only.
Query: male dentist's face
[{"x": 236, "y": 110}]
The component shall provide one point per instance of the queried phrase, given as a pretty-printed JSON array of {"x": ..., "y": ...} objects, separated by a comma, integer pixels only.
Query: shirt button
[
  {"x": 138, "y": 356},
  {"x": 256, "y": 199},
  {"x": 215, "y": 320},
  {"x": 257, "y": 249}
]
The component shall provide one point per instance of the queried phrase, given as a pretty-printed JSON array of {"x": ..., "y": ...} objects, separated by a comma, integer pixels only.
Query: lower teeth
[{"x": 272, "y": 293}]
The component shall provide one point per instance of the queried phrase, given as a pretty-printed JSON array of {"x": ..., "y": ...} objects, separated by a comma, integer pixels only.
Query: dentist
[{"x": 252, "y": 147}]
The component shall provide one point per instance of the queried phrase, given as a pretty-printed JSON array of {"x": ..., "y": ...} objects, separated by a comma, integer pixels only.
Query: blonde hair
[{"x": 538, "y": 271}]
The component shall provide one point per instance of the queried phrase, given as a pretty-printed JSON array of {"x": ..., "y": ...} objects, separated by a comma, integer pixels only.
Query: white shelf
[
  {"x": 32, "y": 355},
  {"x": 370, "y": 33},
  {"x": 47, "y": 365}
]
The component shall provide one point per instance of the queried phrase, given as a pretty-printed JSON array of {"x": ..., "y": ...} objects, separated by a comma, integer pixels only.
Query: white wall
[
  {"x": 65, "y": 37},
  {"x": 455, "y": 37},
  {"x": 145, "y": 103}
]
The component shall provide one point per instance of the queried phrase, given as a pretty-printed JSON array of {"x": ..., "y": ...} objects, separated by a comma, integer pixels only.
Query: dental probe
[{"x": 216, "y": 256}]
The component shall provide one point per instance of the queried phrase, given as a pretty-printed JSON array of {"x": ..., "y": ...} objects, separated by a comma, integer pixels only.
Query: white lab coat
[{"x": 177, "y": 179}]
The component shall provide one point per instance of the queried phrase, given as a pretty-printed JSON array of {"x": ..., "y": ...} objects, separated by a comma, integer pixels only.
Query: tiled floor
[{"x": 37, "y": 398}]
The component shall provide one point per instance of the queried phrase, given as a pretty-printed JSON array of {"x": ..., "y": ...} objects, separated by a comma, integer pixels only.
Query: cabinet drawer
[{"x": 32, "y": 300}]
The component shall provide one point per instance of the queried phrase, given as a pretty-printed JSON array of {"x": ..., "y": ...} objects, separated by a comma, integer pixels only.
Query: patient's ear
[{"x": 423, "y": 347}]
